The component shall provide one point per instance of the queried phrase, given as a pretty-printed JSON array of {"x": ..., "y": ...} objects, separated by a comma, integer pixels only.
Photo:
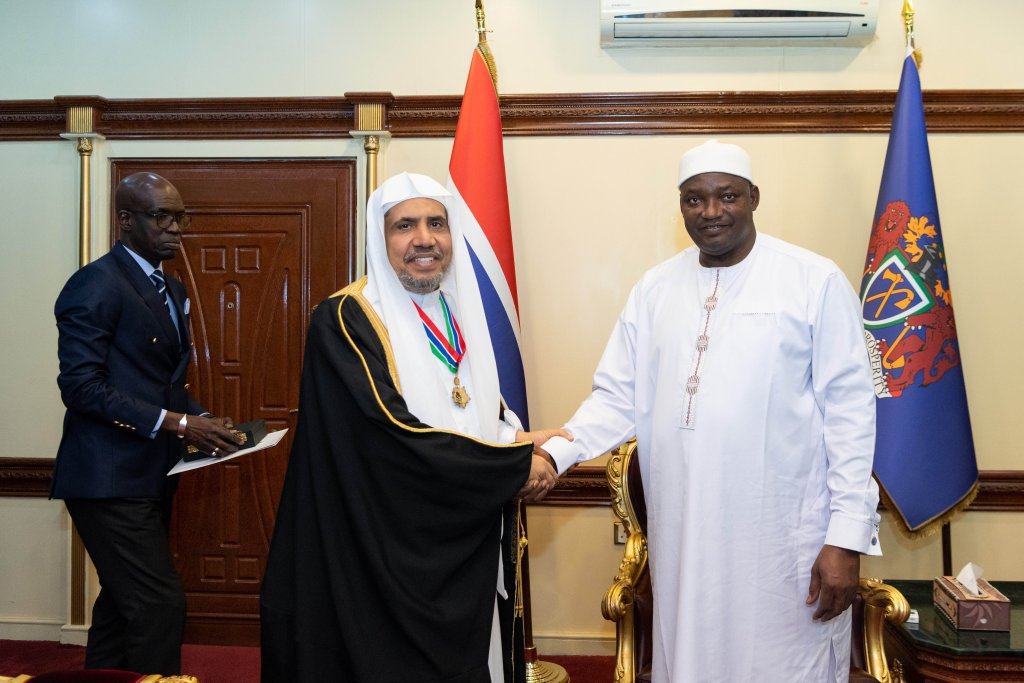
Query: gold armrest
[
  {"x": 882, "y": 603},
  {"x": 618, "y": 602},
  {"x": 619, "y": 598}
]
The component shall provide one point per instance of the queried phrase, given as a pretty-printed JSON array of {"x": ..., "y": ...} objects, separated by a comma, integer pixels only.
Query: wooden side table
[{"x": 932, "y": 651}]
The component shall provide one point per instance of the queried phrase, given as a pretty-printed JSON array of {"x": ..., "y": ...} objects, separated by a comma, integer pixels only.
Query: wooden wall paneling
[{"x": 1000, "y": 490}]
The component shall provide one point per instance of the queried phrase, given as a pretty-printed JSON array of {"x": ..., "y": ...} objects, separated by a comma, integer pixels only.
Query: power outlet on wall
[{"x": 619, "y": 534}]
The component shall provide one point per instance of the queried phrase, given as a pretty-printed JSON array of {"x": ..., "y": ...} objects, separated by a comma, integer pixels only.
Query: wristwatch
[{"x": 182, "y": 426}]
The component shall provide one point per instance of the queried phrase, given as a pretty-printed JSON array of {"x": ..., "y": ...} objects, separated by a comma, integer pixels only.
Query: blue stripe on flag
[{"x": 511, "y": 377}]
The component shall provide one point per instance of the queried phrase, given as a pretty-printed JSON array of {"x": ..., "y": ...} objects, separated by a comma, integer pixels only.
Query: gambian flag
[
  {"x": 476, "y": 176},
  {"x": 924, "y": 451}
]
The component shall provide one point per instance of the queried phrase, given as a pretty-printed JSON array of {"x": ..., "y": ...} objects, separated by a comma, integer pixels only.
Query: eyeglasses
[{"x": 164, "y": 219}]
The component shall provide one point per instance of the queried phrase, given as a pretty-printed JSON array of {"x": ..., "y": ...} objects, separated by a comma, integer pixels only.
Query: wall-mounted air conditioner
[{"x": 683, "y": 23}]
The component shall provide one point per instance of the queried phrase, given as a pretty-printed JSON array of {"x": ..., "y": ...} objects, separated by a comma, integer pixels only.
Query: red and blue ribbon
[{"x": 449, "y": 348}]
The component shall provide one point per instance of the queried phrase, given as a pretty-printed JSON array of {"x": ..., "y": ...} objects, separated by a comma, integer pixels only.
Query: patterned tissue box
[{"x": 989, "y": 611}]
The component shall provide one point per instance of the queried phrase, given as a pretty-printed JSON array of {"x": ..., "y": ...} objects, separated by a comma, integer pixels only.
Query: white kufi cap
[{"x": 715, "y": 157}]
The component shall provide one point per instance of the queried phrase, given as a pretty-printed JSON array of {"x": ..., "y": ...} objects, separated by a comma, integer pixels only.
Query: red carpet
[
  {"x": 224, "y": 664},
  {"x": 585, "y": 669}
]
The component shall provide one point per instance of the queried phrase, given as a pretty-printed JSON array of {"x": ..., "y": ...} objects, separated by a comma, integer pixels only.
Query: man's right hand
[{"x": 541, "y": 480}]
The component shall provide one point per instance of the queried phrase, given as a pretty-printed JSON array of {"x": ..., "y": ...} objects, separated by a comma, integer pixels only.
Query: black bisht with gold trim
[{"x": 383, "y": 563}]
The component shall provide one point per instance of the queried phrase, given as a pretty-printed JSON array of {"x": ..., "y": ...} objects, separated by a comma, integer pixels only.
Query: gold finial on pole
[
  {"x": 908, "y": 28},
  {"x": 481, "y": 43}
]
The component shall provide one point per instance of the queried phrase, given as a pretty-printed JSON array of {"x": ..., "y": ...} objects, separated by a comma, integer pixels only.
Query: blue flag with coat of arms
[{"x": 924, "y": 451}]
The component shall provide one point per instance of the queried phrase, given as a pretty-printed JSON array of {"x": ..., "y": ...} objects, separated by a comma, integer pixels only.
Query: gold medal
[{"x": 460, "y": 396}]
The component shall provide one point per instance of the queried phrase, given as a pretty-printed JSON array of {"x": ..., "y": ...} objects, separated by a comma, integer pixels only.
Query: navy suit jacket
[{"x": 121, "y": 362}]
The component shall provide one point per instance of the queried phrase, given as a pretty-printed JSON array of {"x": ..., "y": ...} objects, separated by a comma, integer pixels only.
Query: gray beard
[{"x": 421, "y": 285}]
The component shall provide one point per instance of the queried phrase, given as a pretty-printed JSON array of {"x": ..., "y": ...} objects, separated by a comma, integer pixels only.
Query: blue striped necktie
[
  {"x": 157, "y": 277},
  {"x": 161, "y": 285}
]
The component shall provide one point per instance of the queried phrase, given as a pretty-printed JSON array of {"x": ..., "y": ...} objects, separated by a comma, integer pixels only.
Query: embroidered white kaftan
[{"x": 749, "y": 392}]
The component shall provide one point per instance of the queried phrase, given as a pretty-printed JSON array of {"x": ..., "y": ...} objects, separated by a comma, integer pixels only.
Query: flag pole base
[{"x": 543, "y": 672}]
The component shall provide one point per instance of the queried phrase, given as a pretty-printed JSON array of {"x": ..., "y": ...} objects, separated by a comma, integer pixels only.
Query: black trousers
[{"x": 139, "y": 616}]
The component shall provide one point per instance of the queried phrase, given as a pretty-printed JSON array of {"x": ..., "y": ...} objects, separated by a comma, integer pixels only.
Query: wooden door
[{"x": 269, "y": 239}]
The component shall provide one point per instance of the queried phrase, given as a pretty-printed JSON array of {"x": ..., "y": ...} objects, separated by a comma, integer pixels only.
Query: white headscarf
[{"x": 427, "y": 398}]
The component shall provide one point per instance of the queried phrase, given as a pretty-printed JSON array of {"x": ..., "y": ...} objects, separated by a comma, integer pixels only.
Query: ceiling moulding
[{"x": 563, "y": 114}]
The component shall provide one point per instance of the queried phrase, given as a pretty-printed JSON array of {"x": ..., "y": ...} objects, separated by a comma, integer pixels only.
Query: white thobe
[
  {"x": 749, "y": 392},
  {"x": 467, "y": 422}
]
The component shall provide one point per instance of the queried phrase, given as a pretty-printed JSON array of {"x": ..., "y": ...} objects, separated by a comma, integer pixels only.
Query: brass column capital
[{"x": 370, "y": 115}]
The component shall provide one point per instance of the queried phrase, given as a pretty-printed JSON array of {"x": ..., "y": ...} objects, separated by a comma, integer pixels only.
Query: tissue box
[{"x": 989, "y": 611}]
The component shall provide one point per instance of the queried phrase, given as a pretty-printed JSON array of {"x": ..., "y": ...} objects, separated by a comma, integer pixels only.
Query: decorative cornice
[
  {"x": 25, "y": 477},
  {"x": 830, "y": 111},
  {"x": 229, "y": 118},
  {"x": 563, "y": 114},
  {"x": 173, "y": 119},
  {"x": 582, "y": 486},
  {"x": 31, "y": 120},
  {"x": 1000, "y": 491}
]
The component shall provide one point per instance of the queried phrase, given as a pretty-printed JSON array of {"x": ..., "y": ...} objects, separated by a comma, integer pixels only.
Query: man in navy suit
[{"x": 124, "y": 349}]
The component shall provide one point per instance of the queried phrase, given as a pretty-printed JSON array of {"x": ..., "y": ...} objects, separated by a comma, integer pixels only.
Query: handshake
[{"x": 543, "y": 473}]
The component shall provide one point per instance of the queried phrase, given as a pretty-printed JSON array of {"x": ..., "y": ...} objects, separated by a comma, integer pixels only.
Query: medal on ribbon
[{"x": 449, "y": 348}]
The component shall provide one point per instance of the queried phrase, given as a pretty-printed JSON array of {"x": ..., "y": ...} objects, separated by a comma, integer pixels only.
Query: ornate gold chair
[
  {"x": 97, "y": 676},
  {"x": 628, "y": 601}
]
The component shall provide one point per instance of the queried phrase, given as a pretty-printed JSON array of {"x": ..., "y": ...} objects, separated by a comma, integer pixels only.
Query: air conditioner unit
[{"x": 683, "y": 23}]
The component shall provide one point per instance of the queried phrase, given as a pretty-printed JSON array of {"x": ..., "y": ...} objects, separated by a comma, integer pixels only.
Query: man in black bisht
[{"x": 395, "y": 553}]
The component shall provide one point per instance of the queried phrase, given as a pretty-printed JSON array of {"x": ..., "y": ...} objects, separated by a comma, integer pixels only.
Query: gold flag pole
[
  {"x": 537, "y": 671},
  {"x": 908, "y": 29},
  {"x": 913, "y": 49},
  {"x": 481, "y": 43}
]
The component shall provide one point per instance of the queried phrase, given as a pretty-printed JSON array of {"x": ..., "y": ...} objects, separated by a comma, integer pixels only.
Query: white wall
[
  {"x": 590, "y": 214},
  {"x": 37, "y": 182},
  {"x": 33, "y": 566},
  {"x": 278, "y": 48}
]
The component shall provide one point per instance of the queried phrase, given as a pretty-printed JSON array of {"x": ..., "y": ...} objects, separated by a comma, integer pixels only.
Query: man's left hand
[
  {"x": 211, "y": 434},
  {"x": 834, "y": 578}
]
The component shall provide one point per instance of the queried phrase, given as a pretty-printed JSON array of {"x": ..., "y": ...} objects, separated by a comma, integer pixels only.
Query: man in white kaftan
[{"x": 740, "y": 367}]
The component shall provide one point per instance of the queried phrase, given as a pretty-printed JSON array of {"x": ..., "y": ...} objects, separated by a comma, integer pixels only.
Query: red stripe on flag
[{"x": 477, "y": 166}]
